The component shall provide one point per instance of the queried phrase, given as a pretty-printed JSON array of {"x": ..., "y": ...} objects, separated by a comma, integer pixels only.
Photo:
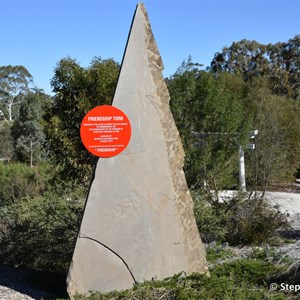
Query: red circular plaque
[{"x": 105, "y": 131}]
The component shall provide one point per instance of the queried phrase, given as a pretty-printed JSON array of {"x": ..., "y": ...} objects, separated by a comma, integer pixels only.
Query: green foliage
[
  {"x": 211, "y": 217},
  {"x": 40, "y": 232},
  {"x": 6, "y": 145},
  {"x": 217, "y": 253},
  {"x": 39, "y": 217},
  {"x": 38, "y": 224},
  {"x": 239, "y": 221},
  {"x": 279, "y": 63},
  {"x": 250, "y": 271},
  {"x": 249, "y": 57},
  {"x": 77, "y": 91},
  {"x": 18, "y": 181},
  {"x": 27, "y": 130},
  {"x": 215, "y": 113},
  {"x": 14, "y": 82},
  {"x": 241, "y": 279},
  {"x": 254, "y": 222},
  {"x": 210, "y": 113},
  {"x": 277, "y": 153}
]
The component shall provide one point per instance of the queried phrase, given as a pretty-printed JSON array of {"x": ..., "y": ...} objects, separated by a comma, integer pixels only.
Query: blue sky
[{"x": 37, "y": 34}]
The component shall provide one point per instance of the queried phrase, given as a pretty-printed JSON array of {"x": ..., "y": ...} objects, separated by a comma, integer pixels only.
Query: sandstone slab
[{"x": 138, "y": 222}]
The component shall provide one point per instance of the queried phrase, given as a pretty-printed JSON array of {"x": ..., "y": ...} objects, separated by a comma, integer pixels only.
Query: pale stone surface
[{"x": 138, "y": 222}]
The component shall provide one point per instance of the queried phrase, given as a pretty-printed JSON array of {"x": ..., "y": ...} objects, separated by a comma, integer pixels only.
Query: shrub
[
  {"x": 19, "y": 181},
  {"x": 40, "y": 232},
  {"x": 238, "y": 221},
  {"x": 211, "y": 218},
  {"x": 254, "y": 221}
]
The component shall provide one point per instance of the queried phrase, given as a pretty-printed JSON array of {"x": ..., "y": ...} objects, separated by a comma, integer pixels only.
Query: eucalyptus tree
[
  {"x": 14, "y": 84},
  {"x": 279, "y": 63},
  {"x": 6, "y": 145},
  {"x": 27, "y": 130},
  {"x": 278, "y": 67},
  {"x": 210, "y": 113},
  {"x": 277, "y": 155},
  {"x": 77, "y": 90}
]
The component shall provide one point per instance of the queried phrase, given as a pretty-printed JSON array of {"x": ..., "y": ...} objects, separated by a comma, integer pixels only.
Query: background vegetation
[{"x": 45, "y": 171}]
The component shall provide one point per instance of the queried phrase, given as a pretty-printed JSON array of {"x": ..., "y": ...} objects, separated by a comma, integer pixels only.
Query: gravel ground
[
  {"x": 289, "y": 203},
  {"x": 17, "y": 284},
  {"x": 24, "y": 284}
]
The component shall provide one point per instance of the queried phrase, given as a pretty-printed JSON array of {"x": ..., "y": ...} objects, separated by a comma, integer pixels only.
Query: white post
[{"x": 242, "y": 174}]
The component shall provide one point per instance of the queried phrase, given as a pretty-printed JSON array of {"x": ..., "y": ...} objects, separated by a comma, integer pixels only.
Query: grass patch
[
  {"x": 240, "y": 279},
  {"x": 217, "y": 252}
]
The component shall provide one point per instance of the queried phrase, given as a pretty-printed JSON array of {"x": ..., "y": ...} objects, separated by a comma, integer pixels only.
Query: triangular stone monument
[{"x": 138, "y": 221}]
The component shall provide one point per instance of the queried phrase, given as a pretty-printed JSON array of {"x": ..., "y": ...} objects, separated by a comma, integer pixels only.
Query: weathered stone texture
[{"x": 138, "y": 222}]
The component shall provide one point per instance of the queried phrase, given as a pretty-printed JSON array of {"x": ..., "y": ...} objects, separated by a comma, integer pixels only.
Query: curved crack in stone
[{"x": 81, "y": 236}]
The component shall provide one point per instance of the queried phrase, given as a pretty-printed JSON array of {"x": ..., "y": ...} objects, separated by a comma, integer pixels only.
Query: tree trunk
[{"x": 9, "y": 109}]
